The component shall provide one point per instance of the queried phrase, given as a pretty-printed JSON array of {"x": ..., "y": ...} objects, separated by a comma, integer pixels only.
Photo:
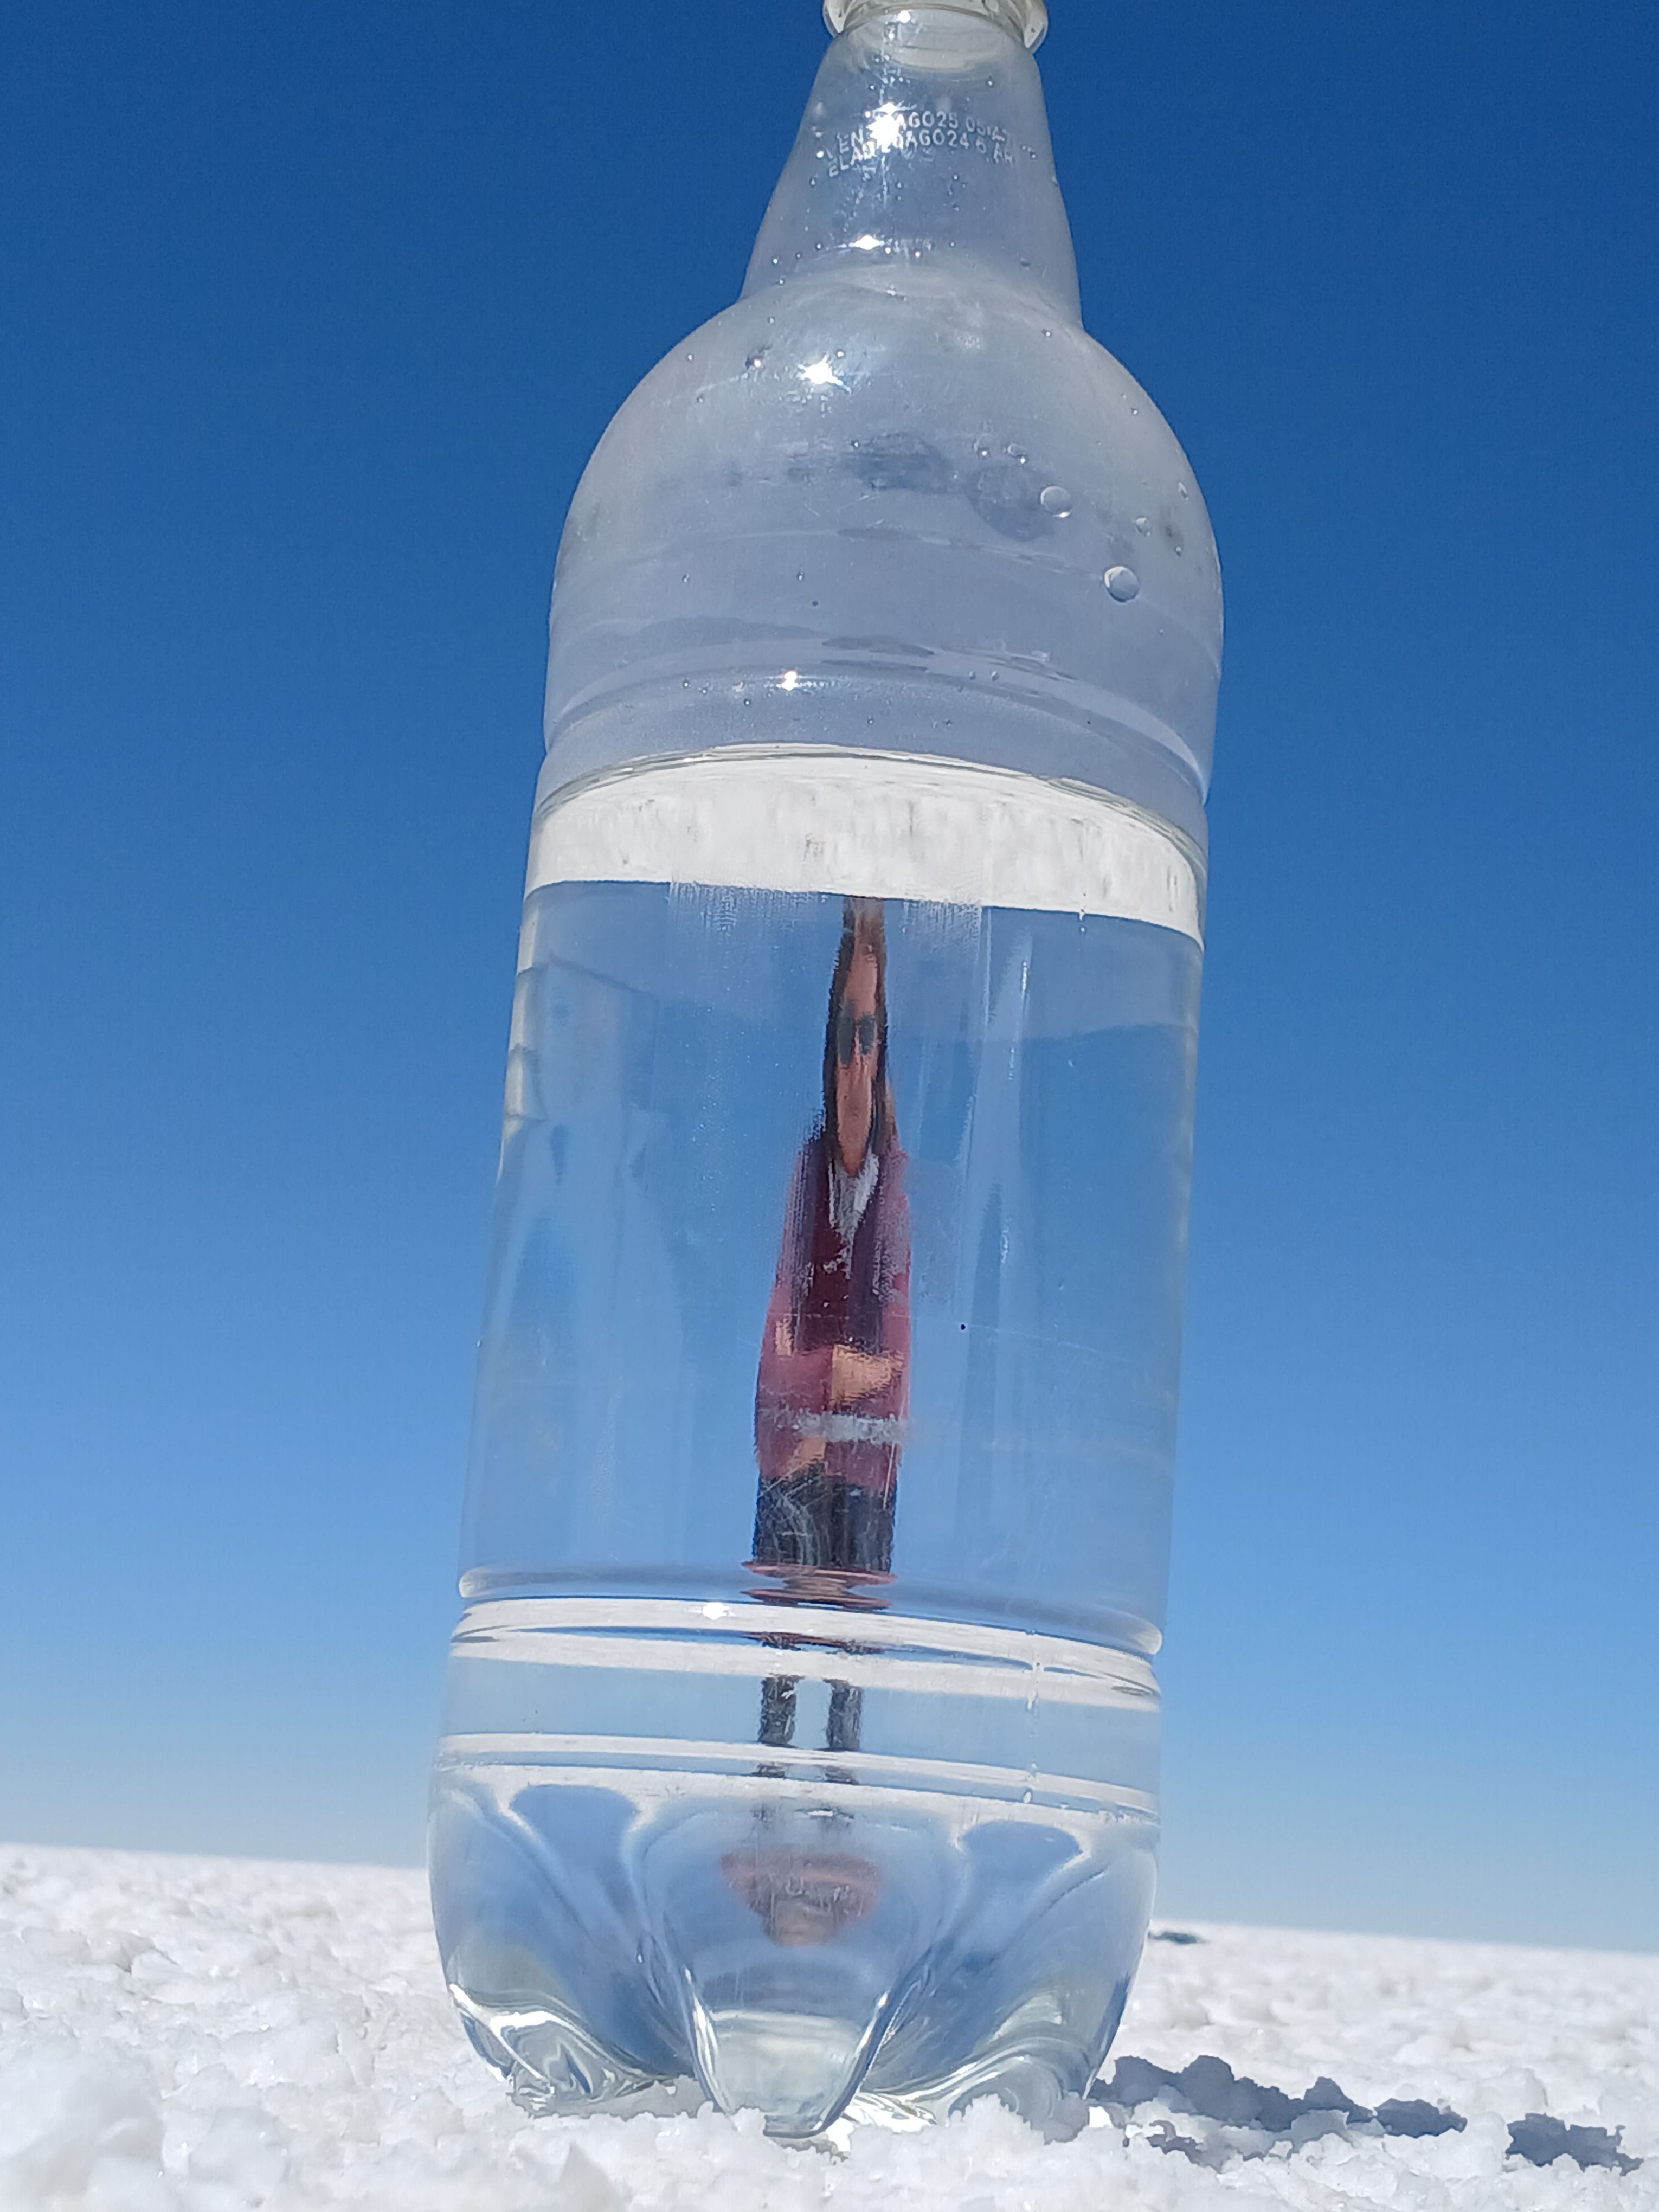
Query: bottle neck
[
  {"x": 1027, "y": 19},
  {"x": 925, "y": 144}
]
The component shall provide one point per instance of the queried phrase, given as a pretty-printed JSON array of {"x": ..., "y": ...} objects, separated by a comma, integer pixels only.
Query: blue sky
[{"x": 315, "y": 313}]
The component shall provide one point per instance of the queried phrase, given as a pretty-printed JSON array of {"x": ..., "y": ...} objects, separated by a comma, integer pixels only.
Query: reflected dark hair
[{"x": 863, "y": 929}]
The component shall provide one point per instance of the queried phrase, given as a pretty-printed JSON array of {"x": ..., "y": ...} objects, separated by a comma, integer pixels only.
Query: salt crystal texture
[{"x": 200, "y": 2035}]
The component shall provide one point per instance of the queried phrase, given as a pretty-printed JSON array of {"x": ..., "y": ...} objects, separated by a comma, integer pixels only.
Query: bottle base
[
  {"x": 769, "y": 1946},
  {"x": 881, "y": 1886}
]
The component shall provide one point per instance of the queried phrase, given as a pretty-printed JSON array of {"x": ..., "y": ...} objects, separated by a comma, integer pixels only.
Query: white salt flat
[{"x": 208, "y": 2035}]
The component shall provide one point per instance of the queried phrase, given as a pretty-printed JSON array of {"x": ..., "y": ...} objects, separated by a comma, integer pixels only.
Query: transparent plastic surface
[
  {"x": 801, "y": 1742},
  {"x": 1027, "y": 19},
  {"x": 900, "y": 1903},
  {"x": 665, "y": 1141}
]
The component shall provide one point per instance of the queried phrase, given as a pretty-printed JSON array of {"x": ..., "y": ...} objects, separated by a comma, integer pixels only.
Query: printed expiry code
[{"x": 892, "y": 129}]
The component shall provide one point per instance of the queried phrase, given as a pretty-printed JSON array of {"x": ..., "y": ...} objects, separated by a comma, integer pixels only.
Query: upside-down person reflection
[{"x": 835, "y": 1367}]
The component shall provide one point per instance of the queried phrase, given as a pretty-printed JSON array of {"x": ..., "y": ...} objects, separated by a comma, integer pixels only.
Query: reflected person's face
[
  {"x": 803, "y": 1898},
  {"x": 856, "y": 1048}
]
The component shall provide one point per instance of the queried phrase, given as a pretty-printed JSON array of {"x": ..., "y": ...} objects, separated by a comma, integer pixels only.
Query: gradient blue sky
[{"x": 314, "y": 312}]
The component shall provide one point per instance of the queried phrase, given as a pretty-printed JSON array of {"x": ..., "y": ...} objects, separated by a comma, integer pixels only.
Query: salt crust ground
[{"x": 198, "y": 2035}]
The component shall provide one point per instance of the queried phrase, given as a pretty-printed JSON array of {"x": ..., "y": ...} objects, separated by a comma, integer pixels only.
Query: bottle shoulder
[
  {"x": 935, "y": 475},
  {"x": 936, "y": 407}
]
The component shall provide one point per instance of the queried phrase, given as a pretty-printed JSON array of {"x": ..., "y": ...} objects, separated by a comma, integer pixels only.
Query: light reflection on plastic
[{"x": 887, "y": 124}]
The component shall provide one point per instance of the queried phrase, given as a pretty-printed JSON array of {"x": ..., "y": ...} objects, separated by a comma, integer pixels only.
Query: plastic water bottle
[{"x": 801, "y": 1735}]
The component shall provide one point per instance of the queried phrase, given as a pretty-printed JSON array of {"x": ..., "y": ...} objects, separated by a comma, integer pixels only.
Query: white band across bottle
[{"x": 869, "y": 825}]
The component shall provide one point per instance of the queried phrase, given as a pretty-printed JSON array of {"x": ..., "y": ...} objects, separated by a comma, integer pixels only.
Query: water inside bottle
[
  {"x": 801, "y": 1742},
  {"x": 642, "y": 1883}
]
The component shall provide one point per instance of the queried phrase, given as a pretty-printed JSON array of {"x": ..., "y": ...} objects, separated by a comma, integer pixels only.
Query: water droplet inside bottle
[
  {"x": 1122, "y": 583},
  {"x": 1182, "y": 489},
  {"x": 755, "y": 358},
  {"x": 1056, "y": 499},
  {"x": 1143, "y": 524},
  {"x": 1017, "y": 453}
]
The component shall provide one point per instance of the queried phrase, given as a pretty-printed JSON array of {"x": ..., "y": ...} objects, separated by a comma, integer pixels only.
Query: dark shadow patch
[
  {"x": 1541, "y": 2141},
  {"x": 1241, "y": 2118},
  {"x": 1247, "y": 2118},
  {"x": 1415, "y": 2115},
  {"x": 1009, "y": 496},
  {"x": 895, "y": 461}
]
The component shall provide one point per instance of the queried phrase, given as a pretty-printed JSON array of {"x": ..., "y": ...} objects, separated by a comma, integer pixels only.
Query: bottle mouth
[{"x": 1026, "y": 19}]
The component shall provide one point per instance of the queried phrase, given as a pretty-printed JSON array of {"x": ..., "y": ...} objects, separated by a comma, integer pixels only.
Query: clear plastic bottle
[{"x": 801, "y": 1737}]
